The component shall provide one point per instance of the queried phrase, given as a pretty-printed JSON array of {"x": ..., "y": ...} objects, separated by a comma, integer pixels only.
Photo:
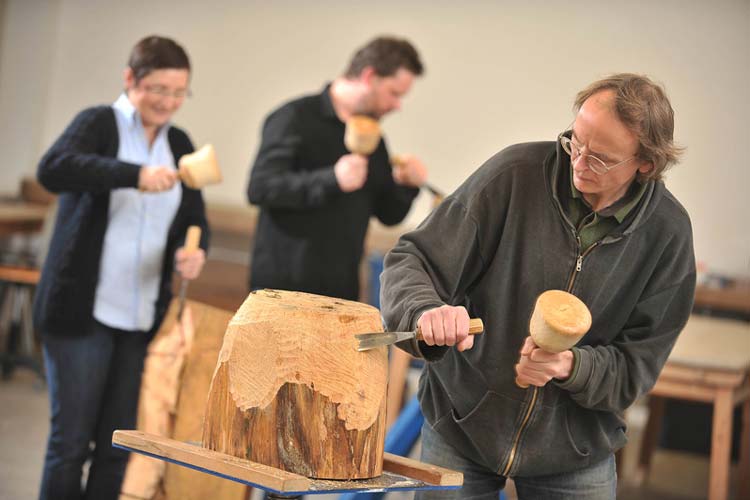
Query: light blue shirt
[{"x": 136, "y": 238}]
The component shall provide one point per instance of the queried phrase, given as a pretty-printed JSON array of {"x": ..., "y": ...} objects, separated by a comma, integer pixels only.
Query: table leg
[
  {"x": 721, "y": 445},
  {"x": 744, "y": 468},
  {"x": 650, "y": 436}
]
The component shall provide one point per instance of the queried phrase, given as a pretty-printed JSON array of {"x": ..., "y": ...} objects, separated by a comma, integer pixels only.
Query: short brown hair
[
  {"x": 156, "y": 52},
  {"x": 643, "y": 107},
  {"x": 386, "y": 55}
]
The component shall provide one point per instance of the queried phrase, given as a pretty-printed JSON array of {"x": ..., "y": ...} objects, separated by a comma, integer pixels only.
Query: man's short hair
[
  {"x": 156, "y": 52},
  {"x": 643, "y": 107},
  {"x": 386, "y": 55}
]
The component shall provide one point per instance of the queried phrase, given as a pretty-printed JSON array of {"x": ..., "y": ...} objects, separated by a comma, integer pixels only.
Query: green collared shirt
[{"x": 592, "y": 226}]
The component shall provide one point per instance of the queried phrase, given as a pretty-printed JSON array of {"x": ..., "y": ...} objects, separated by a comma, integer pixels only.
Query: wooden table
[
  {"x": 734, "y": 298},
  {"x": 21, "y": 217},
  {"x": 710, "y": 363}
]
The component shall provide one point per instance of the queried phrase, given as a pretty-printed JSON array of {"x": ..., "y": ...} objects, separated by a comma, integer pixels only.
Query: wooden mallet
[
  {"x": 362, "y": 135},
  {"x": 558, "y": 322},
  {"x": 200, "y": 168}
]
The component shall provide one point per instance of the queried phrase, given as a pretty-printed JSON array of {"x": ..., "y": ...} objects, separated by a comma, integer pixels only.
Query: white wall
[
  {"x": 27, "y": 39},
  {"x": 498, "y": 72}
]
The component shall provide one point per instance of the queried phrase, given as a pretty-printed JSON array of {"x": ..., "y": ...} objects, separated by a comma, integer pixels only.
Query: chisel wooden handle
[
  {"x": 400, "y": 161},
  {"x": 192, "y": 238},
  {"x": 192, "y": 241},
  {"x": 476, "y": 326}
]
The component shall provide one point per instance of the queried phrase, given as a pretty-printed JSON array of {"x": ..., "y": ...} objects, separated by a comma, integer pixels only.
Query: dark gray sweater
[{"x": 493, "y": 246}]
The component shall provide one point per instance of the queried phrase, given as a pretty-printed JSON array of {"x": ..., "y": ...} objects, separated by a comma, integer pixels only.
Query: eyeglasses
[
  {"x": 596, "y": 165},
  {"x": 161, "y": 91}
]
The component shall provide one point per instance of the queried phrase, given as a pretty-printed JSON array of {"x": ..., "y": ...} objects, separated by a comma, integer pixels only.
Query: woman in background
[{"x": 106, "y": 282}]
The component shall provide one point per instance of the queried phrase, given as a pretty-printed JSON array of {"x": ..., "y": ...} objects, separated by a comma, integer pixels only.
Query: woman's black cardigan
[{"x": 82, "y": 166}]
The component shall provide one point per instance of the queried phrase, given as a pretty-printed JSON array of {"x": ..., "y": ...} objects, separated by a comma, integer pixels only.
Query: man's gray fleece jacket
[{"x": 493, "y": 246}]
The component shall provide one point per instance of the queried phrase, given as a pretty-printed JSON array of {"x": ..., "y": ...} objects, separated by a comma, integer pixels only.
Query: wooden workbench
[
  {"x": 710, "y": 363},
  {"x": 21, "y": 217},
  {"x": 733, "y": 299}
]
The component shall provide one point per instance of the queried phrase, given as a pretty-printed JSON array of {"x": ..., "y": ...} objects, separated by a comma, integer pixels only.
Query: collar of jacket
[{"x": 557, "y": 161}]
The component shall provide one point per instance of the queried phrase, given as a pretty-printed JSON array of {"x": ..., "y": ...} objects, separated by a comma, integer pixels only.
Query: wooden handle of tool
[
  {"x": 521, "y": 384},
  {"x": 192, "y": 239},
  {"x": 476, "y": 327},
  {"x": 397, "y": 161},
  {"x": 524, "y": 386}
]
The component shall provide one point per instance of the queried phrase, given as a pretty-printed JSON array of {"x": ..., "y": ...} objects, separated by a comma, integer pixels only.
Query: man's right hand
[
  {"x": 446, "y": 325},
  {"x": 154, "y": 179},
  {"x": 351, "y": 172}
]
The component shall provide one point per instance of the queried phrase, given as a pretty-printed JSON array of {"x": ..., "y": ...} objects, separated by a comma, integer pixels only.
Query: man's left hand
[
  {"x": 190, "y": 264},
  {"x": 537, "y": 366},
  {"x": 408, "y": 170}
]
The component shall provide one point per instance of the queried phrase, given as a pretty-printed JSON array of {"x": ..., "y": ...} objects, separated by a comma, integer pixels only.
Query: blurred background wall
[{"x": 498, "y": 72}]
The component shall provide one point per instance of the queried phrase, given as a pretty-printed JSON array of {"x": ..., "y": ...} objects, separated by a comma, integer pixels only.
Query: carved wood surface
[{"x": 291, "y": 391}]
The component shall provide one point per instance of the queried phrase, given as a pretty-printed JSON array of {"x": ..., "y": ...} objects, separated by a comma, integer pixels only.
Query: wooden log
[
  {"x": 160, "y": 387},
  {"x": 181, "y": 483},
  {"x": 177, "y": 373},
  {"x": 291, "y": 391}
]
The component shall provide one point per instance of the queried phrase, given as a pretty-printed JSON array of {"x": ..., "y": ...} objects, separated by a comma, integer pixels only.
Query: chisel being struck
[{"x": 367, "y": 341}]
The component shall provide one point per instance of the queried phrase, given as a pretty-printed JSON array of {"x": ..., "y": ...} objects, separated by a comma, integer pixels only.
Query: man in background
[{"x": 315, "y": 197}]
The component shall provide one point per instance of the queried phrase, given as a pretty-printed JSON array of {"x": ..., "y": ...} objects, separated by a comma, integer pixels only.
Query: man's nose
[{"x": 579, "y": 164}]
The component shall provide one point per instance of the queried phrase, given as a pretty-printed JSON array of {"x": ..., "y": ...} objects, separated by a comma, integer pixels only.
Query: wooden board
[{"x": 399, "y": 473}]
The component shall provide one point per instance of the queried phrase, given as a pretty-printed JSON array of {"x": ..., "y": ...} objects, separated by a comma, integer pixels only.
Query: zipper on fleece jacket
[
  {"x": 516, "y": 439},
  {"x": 579, "y": 262},
  {"x": 573, "y": 275}
]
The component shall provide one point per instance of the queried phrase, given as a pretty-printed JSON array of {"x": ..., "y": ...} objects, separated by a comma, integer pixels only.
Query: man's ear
[
  {"x": 367, "y": 75},
  {"x": 128, "y": 78},
  {"x": 646, "y": 167}
]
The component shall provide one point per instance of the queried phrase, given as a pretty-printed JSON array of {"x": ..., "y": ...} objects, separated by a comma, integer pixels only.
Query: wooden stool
[
  {"x": 710, "y": 363},
  {"x": 20, "y": 283}
]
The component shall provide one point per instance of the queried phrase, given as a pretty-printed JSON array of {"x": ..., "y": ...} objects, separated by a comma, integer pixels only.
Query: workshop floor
[{"x": 24, "y": 427}]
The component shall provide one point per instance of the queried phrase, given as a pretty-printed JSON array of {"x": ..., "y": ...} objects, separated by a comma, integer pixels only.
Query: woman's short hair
[{"x": 156, "y": 52}]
